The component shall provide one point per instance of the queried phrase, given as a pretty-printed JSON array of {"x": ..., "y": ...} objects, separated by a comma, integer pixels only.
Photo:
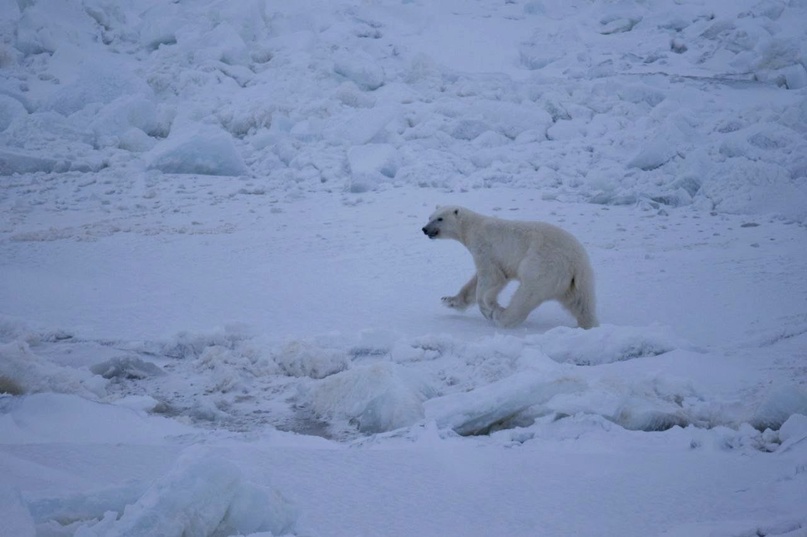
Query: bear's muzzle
[{"x": 430, "y": 232}]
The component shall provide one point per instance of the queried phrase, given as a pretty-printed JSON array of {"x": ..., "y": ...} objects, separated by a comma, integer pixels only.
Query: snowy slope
[{"x": 219, "y": 316}]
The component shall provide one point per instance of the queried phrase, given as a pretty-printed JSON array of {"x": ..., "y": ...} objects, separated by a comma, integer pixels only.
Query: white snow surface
[{"x": 219, "y": 316}]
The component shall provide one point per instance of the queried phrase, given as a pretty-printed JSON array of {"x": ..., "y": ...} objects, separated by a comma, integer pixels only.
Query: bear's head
[{"x": 444, "y": 223}]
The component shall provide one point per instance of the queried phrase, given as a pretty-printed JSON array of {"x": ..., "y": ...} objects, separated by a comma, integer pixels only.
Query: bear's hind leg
[
  {"x": 464, "y": 298},
  {"x": 580, "y": 303},
  {"x": 521, "y": 305}
]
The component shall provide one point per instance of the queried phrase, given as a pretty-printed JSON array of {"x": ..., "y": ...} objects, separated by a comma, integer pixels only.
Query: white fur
[{"x": 548, "y": 262}]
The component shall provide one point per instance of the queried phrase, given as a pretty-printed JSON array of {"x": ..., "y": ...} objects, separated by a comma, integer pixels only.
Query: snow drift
[
  {"x": 203, "y": 495},
  {"x": 370, "y": 99}
]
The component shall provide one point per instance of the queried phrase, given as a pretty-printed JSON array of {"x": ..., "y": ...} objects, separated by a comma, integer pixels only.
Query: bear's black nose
[{"x": 425, "y": 231}]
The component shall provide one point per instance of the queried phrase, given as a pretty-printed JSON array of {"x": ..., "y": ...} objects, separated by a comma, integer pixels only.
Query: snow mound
[
  {"x": 375, "y": 398},
  {"x": 305, "y": 359},
  {"x": 744, "y": 185},
  {"x": 654, "y": 403},
  {"x": 130, "y": 367},
  {"x": 793, "y": 431},
  {"x": 189, "y": 345},
  {"x": 117, "y": 119},
  {"x": 12, "y": 162},
  {"x": 779, "y": 405},
  {"x": 605, "y": 344},
  {"x": 208, "y": 151},
  {"x": 87, "y": 505},
  {"x": 52, "y": 27},
  {"x": 10, "y": 109},
  {"x": 497, "y": 404},
  {"x": 370, "y": 165},
  {"x": 510, "y": 119},
  {"x": 22, "y": 371},
  {"x": 670, "y": 139},
  {"x": 359, "y": 68},
  {"x": 649, "y": 414},
  {"x": 96, "y": 84},
  {"x": 202, "y": 495}
]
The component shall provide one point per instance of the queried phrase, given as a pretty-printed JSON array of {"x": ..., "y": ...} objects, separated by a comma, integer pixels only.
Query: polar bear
[{"x": 548, "y": 262}]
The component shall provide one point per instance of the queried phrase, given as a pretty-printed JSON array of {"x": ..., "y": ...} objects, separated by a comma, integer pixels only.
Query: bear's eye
[{"x": 440, "y": 219}]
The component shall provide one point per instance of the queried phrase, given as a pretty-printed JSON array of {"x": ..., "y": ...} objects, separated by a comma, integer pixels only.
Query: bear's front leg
[{"x": 464, "y": 298}]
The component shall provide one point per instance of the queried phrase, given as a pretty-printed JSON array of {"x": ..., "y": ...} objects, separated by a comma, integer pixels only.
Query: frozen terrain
[{"x": 219, "y": 316}]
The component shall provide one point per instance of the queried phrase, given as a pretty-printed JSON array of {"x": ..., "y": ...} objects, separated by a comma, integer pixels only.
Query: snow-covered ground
[{"x": 219, "y": 316}]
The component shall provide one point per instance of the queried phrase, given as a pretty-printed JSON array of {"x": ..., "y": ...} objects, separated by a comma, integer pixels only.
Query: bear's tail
[{"x": 580, "y": 299}]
